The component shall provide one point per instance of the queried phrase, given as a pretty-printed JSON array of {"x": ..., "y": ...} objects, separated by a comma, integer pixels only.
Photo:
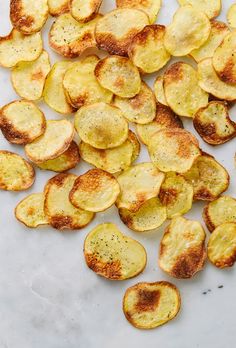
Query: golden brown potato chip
[
  {"x": 115, "y": 31},
  {"x": 149, "y": 305},
  {"x": 132, "y": 137},
  {"x": 231, "y": 16},
  {"x": 84, "y": 10},
  {"x": 113, "y": 255},
  {"x": 16, "y": 174},
  {"x": 182, "y": 250},
  {"x": 159, "y": 90},
  {"x": 30, "y": 211},
  {"x": 221, "y": 248},
  {"x": 211, "y": 8},
  {"x": 151, "y": 7},
  {"x": 60, "y": 212},
  {"x": 58, "y": 7}
]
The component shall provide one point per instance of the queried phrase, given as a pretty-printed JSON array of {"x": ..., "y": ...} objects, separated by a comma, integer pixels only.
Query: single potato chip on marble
[
  {"x": 84, "y": 10},
  {"x": 231, "y": 16},
  {"x": 151, "y": 7},
  {"x": 211, "y": 8},
  {"x": 58, "y": 7},
  {"x": 159, "y": 90}
]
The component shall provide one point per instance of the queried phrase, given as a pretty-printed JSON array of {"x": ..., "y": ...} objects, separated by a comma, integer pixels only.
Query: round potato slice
[
  {"x": 221, "y": 248},
  {"x": 182, "y": 91},
  {"x": 58, "y": 7},
  {"x": 231, "y": 16},
  {"x": 21, "y": 122},
  {"x": 55, "y": 141},
  {"x": 84, "y": 10},
  {"x": 61, "y": 214},
  {"x": 159, "y": 90},
  {"x": 112, "y": 255},
  {"x": 140, "y": 109},
  {"x": 220, "y": 211},
  {"x": 173, "y": 149},
  {"x": 138, "y": 184},
  {"x": 211, "y": 8},
  {"x": 213, "y": 123},
  {"x": 95, "y": 191},
  {"x": 16, "y": 174},
  {"x": 81, "y": 85},
  {"x": 118, "y": 75},
  {"x": 30, "y": 211},
  {"x": 151, "y": 7},
  {"x": 149, "y": 305},
  {"x": 114, "y": 32},
  {"x": 101, "y": 125},
  {"x": 182, "y": 249}
]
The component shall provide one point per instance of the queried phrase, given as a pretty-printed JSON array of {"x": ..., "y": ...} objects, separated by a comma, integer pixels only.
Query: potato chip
[
  {"x": 21, "y": 122},
  {"x": 221, "y": 248},
  {"x": 84, "y": 10},
  {"x": 28, "y": 78},
  {"x": 149, "y": 305},
  {"x": 60, "y": 212},
  {"x": 138, "y": 184},
  {"x": 159, "y": 90},
  {"x": 211, "y": 8},
  {"x": 114, "y": 32},
  {"x": 30, "y": 211},
  {"x": 151, "y": 7},
  {"x": 182, "y": 250},
  {"x": 55, "y": 141},
  {"x": 231, "y": 16},
  {"x": 16, "y": 174},
  {"x": 58, "y": 7},
  {"x": 81, "y": 85},
  {"x": 118, "y": 75},
  {"x": 113, "y": 255},
  {"x": 220, "y": 211},
  {"x": 136, "y": 145},
  {"x": 17, "y": 47},
  {"x": 140, "y": 109},
  {"x": 213, "y": 123},
  {"x": 101, "y": 125},
  {"x": 182, "y": 91}
]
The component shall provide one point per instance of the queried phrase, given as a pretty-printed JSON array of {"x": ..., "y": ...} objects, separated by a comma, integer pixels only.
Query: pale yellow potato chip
[
  {"x": 159, "y": 90},
  {"x": 151, "y": 7},
  {"x": 211, "y": 8},
  {"x": 84, "y": 10},
  {"x": 58, "y": 7},
  {"x": 132, "y": 137},
  {"x": 231, "y": 16}
]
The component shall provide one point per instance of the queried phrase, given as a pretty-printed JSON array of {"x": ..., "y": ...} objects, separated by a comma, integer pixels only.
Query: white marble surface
[{"x": 50, "y": 299}]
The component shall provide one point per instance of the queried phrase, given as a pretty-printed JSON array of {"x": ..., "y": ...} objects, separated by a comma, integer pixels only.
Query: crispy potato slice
[
  {"x": 16, "y": 174},
  {"x": 231, "y": 16},
  {"x": 213, "y": 123},
  {"x": 101, "y": 125},
  {"x": 173, "y": 149},
  {"x": 58, "y": 7},
  {"x": 182, "y": 250},
  {"x": 151, "y": 7},
  {"x": 176, "y": 194},
  {"x": 150, "y": 216},
  {"x": 114, "y": 32},
  {"x": 28, "y": 78},
  {"x": 17, "y": 47},
  {"x": 53, "y": 93},
  {"x": 118, "y": 75},
  {"x": 70, "y": 38},
  {"x": 208, "y": 177},
  {"x": 159, "y": 90},
  {"x": 182, "y": 91},
  {"x": 138, "y": 184},
  {"x": 112, "y": 255},
  {"x": 61, "y": 214},
  {"x": 220, "y": 211},
  {"x": 132, "y": 137},
  {"x": 30, "y": 211},
  {"x": 81, "y": 85},
  {"x": 55, "y": 141},
  {"x": 140, "y": 109},
  {"x": 149, "y": 305},
  {"x": 84, "y": 10},
  {"x": 66, "y": 161},
  {"x": 221, "y": 248},
  {"x": 211, "y": 8},
  {"x": 21, "y": 122}
]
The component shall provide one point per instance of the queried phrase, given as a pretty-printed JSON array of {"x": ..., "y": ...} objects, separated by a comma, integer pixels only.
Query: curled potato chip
[
  {"x": 176, "y": 194},
  {"x": 114, "y": 32},
  {"x": 182, "y": 91},
  {"x": 182, "y": 250},
  {"x": 138, "y": 184},
  {"x": 151, "y": 7},
  {"x": 17, "y": 47},
  {"x": 136, "y": 145},
  {"x": 81, "y": 85},
  {"x": 151, "y": 215},
  {"x": 211, "y": 8},
  {"x": 149, "y": 305},
  {"x": 159, "y": 90},
  {"x": 30, "y": 211},
  {"x": 221, "y": 248},
  {"x": 208, "y": 177},
  {"x": 231, "y": 16},
  {"x": 140, "y": 109},
  {"x": 28, "y": 78},
  {"x": 213, "y": 123},
  {"x": 21, "y": 122},
  {"x": 58, "y": 7},
  {"x": 84, "y": 10},
  {"x": 61, "y": 214},
  {"x": 56, "y": 140},
  {"x": 220, "y": 211},
  {"x": 16, "y": 174},
  {"x": 118, "y": 75},
  {"x": 113, "y": 255},
  {"x": 101, "y": 125},
  {"x": 147, "y": 50}
]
